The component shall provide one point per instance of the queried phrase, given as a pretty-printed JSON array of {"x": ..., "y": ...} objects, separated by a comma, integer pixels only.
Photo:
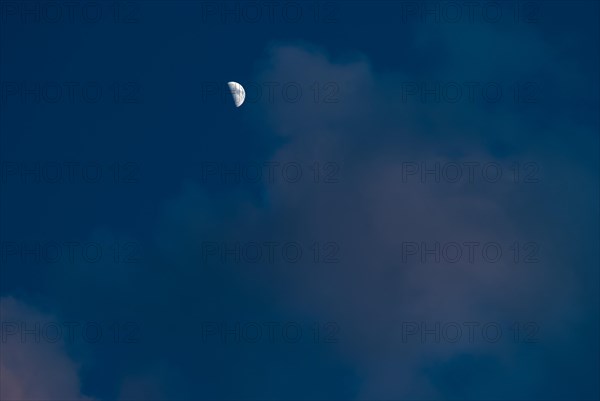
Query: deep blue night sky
[{"x": 404, "y": 208}]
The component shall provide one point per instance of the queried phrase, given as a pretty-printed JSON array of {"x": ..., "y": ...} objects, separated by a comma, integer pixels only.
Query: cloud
[{"x": 34, "y": 369}]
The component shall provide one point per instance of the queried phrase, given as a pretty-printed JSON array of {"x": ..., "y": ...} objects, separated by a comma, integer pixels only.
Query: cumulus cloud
[
  {"x": 33, "y": 366},
  {"x": 372, "y": 212}
]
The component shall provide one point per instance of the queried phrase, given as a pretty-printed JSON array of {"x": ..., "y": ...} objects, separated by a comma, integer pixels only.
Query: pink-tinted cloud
[{"x": 32, "y": 367}]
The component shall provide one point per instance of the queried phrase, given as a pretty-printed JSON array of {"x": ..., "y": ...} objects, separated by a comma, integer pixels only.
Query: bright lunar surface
[{"x": 238, "y": 93}]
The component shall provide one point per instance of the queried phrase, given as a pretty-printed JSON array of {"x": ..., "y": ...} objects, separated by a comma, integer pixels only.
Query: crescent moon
[{"x": 238, "y": 93}]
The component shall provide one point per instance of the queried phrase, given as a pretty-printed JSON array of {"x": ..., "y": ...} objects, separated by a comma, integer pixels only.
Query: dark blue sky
[{"x": 404, "y": 208}]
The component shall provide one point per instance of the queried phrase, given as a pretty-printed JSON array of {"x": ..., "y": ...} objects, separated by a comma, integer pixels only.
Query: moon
[{"x": 238, "y": 93}]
